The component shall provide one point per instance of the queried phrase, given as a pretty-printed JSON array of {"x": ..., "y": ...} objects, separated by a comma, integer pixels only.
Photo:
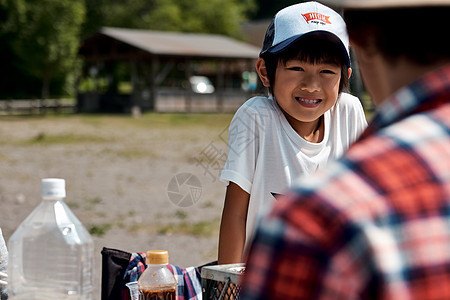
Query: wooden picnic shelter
[{"x": 126, "y": 69}]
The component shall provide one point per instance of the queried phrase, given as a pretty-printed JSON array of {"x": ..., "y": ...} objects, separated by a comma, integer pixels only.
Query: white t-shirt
[
  {"x": 265, "y": 154},
  {"x": 3, "y": 263}
]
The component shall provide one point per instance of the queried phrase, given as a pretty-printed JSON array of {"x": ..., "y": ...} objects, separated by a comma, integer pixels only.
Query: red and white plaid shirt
[{"x": 376, "y": 223}]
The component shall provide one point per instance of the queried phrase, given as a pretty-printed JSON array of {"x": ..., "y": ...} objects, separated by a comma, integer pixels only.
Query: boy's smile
[{"x": 311, "y": 103}]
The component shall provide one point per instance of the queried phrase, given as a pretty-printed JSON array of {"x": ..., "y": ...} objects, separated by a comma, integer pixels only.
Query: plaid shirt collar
[{"x": 426, "y": 93}]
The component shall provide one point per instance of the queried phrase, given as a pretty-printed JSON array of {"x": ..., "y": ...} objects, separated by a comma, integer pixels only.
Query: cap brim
[
  {"x": 374, "y": 4},
  {"x": 286, "y": 43}
]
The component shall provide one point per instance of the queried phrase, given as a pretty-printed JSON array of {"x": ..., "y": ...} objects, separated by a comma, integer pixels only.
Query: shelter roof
[{"x": 181, "y": 44}]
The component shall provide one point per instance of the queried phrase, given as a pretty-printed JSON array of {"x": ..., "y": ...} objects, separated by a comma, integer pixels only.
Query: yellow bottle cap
[{"x": 157, "y": 257}]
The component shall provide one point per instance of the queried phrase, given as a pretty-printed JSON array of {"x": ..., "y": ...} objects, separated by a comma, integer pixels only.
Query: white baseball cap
[
  {"x": 369, "y": 4},
  {"x": 297, "y": 21}
]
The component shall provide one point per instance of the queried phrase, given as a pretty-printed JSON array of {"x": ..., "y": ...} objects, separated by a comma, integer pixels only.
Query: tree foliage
[
  {"x": 40, "y": 38},
  {"x": 207, "y": 16},
  {"x": 12, "y": 78},
  {"x": 45, "y": 36}
]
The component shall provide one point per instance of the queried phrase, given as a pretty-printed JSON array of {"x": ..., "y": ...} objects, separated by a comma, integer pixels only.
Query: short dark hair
[
  {"x": 313, "y": 48},
  {"x": 416, "y": 33}
]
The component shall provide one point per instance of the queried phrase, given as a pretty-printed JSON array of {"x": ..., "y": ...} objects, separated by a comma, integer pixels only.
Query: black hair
[
  {"x": 312, "y": 48},
  {"x": 416, "y": 33}
]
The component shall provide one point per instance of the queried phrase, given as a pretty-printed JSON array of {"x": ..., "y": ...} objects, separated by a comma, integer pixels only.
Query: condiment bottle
[{"x": 157, "y": 282}]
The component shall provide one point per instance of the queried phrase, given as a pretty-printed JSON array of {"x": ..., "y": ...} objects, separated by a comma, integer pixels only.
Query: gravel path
[{"x": 122, "y": 179}]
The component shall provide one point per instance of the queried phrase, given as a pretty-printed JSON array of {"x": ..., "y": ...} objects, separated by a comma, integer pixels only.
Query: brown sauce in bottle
[{"x": 168, "y": 294}]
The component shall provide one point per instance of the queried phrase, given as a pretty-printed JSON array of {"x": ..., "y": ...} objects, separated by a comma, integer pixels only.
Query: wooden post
[
  {"x": 220, "y": 79},
  {"x": 135, "y": 94},
  {"x": 153, "y": 83},
  {"x": 188, "y": 91}
]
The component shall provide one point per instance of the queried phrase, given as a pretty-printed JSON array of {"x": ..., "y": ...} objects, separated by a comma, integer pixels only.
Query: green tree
[
  {"x": 40, "y": 38},
  {"x": 207, "y": 16},
  {"x": 93, "y": 19},
  {"x": 11, "y": 78},
  {"x": 46, "y": 36}
]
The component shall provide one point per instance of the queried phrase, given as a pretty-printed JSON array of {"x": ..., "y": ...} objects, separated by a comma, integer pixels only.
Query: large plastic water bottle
[{"x": 50, "y": 253}]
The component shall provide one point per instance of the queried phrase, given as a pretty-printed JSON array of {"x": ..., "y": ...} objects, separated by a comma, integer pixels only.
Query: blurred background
[
  {"x": 41, "y": 39},
  {"x": 75, "y": 54},
  {"x": 74, "y": 71}
]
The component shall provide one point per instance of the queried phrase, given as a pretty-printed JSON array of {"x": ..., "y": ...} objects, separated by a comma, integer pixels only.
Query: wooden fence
[{"x": 36, "y": 106}]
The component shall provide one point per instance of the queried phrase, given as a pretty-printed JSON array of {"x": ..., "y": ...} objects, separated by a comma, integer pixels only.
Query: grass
[
  {"x": 199, "y": 229},
  {"x": 99, "y": 230},
  {"x": 72, "y": 205},
  {"x": 152, "y": 119},
  {"x": 212, "y": 120},
  {"x": 91, "y": 203},
  {"x": 47, "y": 139},
  {"x": 160, "y": 120},
  {"x": 181, "y": 214}
]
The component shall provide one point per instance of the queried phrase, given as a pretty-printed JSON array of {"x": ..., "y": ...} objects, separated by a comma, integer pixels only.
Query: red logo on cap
[{"x": 316, "y": 16}]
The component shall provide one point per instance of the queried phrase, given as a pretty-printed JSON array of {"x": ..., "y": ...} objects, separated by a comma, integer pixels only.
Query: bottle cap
[
  {"x": 157, "y": 257},
  {"x": 53, "y": 187}
]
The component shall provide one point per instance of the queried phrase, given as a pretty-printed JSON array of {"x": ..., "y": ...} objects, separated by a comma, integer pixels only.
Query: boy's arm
[{"x": 233, "y": 225}]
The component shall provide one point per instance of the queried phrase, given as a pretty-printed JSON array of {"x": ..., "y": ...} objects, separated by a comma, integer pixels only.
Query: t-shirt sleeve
[
  {"x": 243, "y": 141},
  {"x": 360, "y": 118},
  {"x": 353, "y": 115}
]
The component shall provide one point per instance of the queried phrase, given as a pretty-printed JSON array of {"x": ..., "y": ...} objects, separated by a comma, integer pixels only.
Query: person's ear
[
  {"x": 349, "y": 72},
  {"x": 262, "y": 72}
]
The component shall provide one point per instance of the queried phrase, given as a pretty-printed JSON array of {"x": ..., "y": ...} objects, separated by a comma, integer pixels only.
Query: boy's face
[{"x": 305, "y": 91}]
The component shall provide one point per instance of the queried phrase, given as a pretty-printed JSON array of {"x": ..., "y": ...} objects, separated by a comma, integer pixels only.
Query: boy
[
  {"x": 376, "y": 223},
  {"x": 3, "y": 265},
  {"x": 306, "y": 123}
]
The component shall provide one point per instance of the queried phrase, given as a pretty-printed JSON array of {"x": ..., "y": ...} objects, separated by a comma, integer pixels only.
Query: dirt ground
[{"x": 136, "y": 184}]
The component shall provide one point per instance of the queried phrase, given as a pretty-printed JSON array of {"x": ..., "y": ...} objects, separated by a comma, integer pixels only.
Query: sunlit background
[{"x": 88, "y": 94}]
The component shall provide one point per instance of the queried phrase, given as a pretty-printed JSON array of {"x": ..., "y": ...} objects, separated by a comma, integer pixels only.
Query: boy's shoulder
[
  {"x": 259, "y": 109},
  {"x": 258, "y": 101},
  {"x": 348, "y": 99},
  {"x": 258, "y": 104}
]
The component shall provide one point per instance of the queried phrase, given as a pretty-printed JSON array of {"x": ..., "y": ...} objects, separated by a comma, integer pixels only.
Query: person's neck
[{"x": 312, "y": 132}]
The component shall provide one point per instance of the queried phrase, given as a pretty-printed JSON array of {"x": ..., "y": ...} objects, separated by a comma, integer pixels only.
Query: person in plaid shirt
[{"x": 375, "y": 223}]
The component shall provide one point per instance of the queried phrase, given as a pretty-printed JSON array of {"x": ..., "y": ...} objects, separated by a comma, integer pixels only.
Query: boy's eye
[
  {"x": 295, "y": 69},
  {"x": 328, "y": 72}
]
